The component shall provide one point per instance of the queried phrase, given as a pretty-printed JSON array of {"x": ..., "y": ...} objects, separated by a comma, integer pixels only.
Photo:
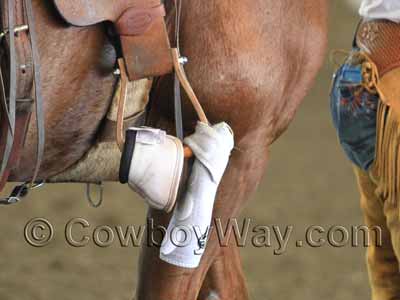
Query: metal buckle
[
  {"x": 183, "y": 60},
  {"x": 89, "y": 196},
  {"x": 20, "y": 191},
  {"x": 16, "y": 30}
]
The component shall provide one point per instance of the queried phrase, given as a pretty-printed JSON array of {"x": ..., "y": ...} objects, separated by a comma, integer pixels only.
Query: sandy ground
[{"x": 308, "y": 183}]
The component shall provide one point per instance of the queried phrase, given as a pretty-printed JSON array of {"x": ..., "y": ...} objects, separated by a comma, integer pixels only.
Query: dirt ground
[{"x": 309, "y": 182}]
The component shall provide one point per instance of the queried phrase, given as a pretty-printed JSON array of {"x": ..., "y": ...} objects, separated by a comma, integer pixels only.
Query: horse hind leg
[
  {"x": 159, "y": 280},
  {"x": 256, "y": 97},
  {"x": 225, "y": 278}
]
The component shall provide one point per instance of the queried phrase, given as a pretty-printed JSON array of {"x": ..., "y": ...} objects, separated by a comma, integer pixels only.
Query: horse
[{"x": 251, "y": 63}]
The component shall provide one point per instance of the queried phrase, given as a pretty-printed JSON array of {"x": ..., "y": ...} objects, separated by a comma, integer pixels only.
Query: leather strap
[
  {"x": 9, "y": 134},
  {"x": 23, "y": 71},
  {"x": 144, "y": 41},
  {"x": 19, "y": 136},
  {"x": 177, "y": 85},
  {"x": 38, "y": 91},
  {"x": 3, "y": 102},
  {"x": 379, "y": 39},
  {"x": 180, "y": 72},
  {"x": 136, "y": 21},
  {"x": 147, "y": 55},
  {"x": 120, "y": 134},
  {"x": 178, "y": 108},
  {"x": 180, "y": 79}
]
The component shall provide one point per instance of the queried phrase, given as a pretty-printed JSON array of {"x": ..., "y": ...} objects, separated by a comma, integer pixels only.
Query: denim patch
[{"x": 354, "y": 111}]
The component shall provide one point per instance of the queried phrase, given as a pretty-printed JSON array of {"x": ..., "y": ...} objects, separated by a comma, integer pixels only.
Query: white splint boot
[
  {"x": 152, "y": 164},
  {"x": 188, "y": 231}
]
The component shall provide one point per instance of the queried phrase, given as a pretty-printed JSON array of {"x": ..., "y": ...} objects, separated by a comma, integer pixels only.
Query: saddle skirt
[{"x": 140, "y": 25}]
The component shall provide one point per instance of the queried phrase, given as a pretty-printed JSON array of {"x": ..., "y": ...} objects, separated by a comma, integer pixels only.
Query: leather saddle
[{"x": 140, "y": 25}]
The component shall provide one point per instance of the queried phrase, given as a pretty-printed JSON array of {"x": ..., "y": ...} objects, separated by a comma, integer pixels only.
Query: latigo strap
[{"x": 21, "y": 61}]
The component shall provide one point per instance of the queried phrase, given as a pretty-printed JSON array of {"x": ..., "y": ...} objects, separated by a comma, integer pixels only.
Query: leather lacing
[{"x": 387, "y": 158}]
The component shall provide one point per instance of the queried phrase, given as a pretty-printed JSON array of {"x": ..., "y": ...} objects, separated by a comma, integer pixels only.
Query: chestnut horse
[{"x": 251, "y": 64}]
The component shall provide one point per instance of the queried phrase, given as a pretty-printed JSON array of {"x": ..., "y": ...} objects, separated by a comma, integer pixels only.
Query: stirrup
[{"x": 152, "y": 165}]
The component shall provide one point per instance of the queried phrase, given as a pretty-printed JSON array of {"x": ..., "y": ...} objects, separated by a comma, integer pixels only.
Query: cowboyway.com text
[{"x": 79, "y": 232}]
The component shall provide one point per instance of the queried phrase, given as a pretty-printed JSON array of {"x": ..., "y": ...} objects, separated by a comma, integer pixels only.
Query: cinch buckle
[
  {"x": 19, "y": 192},
  {"x": 16, "y": 30}
]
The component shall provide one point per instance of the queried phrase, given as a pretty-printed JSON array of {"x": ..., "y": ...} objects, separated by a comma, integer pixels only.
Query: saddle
[
  {"x": 140, "y": 25},
  {"x": 146, "y": 50}
]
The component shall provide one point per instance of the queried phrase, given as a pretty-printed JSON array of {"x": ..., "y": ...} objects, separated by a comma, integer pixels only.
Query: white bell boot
[
  {"x": 152, "y": 164},
  {"x": 188, "y": 231}
]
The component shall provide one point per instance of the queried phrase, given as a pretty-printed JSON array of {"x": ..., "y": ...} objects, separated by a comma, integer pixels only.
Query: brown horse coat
[{"x": 251, "y": 64}]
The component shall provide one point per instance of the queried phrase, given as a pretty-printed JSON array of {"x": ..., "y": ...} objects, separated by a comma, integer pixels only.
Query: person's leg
[{"x": 382, "y": 253}]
